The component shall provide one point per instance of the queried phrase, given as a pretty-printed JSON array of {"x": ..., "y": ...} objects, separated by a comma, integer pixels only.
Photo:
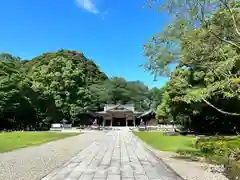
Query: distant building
[
  {"x": 119, "y": 115},
  {"x": 149, "y": 118}
]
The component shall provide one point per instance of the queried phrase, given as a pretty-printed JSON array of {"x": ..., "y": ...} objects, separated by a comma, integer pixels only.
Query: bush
[
  {"x": 221, "y": 146},
  {"x": 222, "y": 150},
  {"x": 206, "y": 147}
]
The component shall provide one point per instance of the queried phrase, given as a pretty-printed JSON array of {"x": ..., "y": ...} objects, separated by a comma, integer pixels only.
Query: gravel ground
[
  {"x": 33, "y": 163},
  {"x": 188, "y": 170}
]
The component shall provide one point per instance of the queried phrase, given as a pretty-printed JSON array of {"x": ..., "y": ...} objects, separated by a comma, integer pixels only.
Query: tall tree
[
  {"x": 156, "y": 96},
  {"x": 17, "y": 97},
  {"x": 118, "y": 90},
  {"x": 192, "y": 19},
  {"x": 203, "y": 89},
  {"x": 67, "y": 75},
  {"x": 50, "y": 87}
]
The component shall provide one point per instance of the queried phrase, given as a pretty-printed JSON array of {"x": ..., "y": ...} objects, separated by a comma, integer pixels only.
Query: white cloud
[{"x": 88, "y": 5}]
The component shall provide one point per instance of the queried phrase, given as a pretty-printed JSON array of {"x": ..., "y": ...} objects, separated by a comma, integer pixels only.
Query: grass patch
[
  {"x": 168, "y": 143},
  {"x": 183, "y": 145},
  {"x": 15, "y": 140},
  {"x": 211, "y": 149}
]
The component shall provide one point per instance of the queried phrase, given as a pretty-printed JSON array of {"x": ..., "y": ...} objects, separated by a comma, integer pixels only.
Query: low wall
[
  {"x": 162, "y": 127},
  {"x": 72, "y": 129}
]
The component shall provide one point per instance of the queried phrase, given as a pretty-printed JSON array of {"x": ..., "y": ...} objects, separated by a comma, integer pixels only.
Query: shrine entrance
[
  {"x": 118, "y": 115},
  {"x": 119, "y": 122}
]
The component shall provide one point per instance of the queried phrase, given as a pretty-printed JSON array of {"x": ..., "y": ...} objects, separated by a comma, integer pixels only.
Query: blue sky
[{"x": 111, "y": 32}]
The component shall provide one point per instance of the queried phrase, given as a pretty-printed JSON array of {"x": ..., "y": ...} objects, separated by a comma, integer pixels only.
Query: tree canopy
[
  {"x": 56, "y": 85},
  {"x": 203, "y": 42},
  {"x": 117, "y": 90}
]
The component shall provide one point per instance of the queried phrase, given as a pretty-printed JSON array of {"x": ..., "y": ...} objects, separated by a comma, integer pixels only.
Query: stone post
[
  {"x": 103, "y": 123},
  {"x": 134, "y": 124}
]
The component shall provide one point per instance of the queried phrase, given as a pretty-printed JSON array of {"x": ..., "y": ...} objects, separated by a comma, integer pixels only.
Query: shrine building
[{"x": 119, "y": 115}]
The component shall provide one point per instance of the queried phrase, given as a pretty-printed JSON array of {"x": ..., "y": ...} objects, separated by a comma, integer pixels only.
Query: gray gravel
[{"x": 33, "y": 163}]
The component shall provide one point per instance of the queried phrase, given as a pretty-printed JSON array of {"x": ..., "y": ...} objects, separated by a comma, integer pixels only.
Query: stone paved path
[{"x": 120, "y": 155}]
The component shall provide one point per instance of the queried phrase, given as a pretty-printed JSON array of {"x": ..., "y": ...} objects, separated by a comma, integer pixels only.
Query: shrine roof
[{"x": 119, "y": 107}]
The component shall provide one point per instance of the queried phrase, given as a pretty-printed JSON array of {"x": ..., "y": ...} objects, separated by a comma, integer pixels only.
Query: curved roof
[
  {"x": 109, "y": 107},
  {"x": 150, "y": 112}
]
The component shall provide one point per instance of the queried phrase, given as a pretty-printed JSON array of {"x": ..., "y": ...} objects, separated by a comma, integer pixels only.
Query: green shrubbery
[
  {"x": 222, "y": 146},
  {"x": 222, "y": 150}
]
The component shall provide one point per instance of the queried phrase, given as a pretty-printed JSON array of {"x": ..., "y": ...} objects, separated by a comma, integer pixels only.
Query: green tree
[
  {"x": 156, "y": 96},
  {"x": 119, "y": 91},
  {"x": 203, "y": 88},
  {"x": 50, "y": 87},
  {"x": 18, "y": 97},
  {"x": 66, "y": 76}
]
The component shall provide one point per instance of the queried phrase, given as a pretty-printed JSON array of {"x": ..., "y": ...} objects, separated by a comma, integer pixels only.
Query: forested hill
[{"x": 63, "y": 84}]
